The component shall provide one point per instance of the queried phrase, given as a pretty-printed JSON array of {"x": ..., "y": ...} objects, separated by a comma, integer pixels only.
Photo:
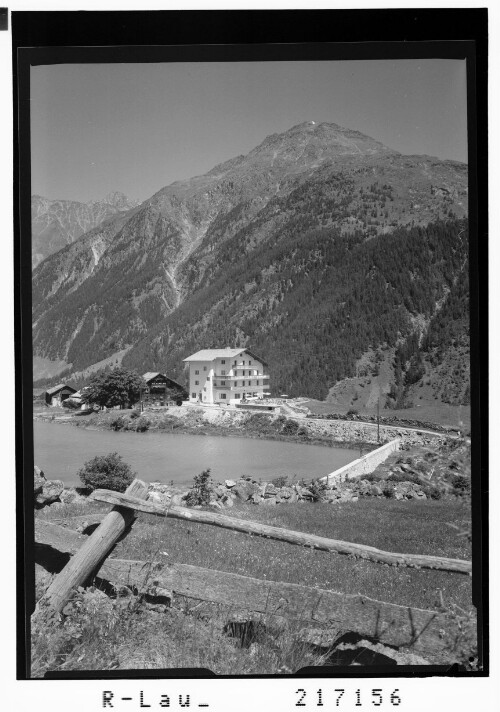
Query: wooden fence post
[
  {"x": 362, "y": 551},
  {"x": 92, "y": 551}
]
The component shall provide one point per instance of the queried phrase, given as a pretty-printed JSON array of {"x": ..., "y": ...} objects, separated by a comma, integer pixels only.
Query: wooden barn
[
  {"x": 162, "y": 389},
  {"x": 56, "y": 395}
]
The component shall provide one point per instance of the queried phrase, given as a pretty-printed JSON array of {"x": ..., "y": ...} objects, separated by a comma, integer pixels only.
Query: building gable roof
[
  {"x": 212, "y": 354},
  {"x": 153, "y": 374},
  {"x": 59, "y": 387}
]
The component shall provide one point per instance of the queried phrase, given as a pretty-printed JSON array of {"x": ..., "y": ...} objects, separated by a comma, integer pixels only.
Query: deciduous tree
[{"x": 118, "y": 387}]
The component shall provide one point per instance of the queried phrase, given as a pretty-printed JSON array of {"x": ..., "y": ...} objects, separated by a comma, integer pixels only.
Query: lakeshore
[
  {"x": 350, "y": 434},
  {"x": 172, "y": 456}
]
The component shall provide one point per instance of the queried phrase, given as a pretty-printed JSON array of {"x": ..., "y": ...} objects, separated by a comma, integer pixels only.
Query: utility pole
[{"x": 378, "y": 418}]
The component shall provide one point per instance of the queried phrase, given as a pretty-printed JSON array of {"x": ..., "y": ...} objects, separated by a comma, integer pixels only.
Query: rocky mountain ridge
[{"x": 56, "y": 223}]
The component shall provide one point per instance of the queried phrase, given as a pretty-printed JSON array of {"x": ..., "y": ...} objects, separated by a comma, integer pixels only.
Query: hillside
[
  {"x": 318, "y": 246},
  {"x": 56, "y": 223}
]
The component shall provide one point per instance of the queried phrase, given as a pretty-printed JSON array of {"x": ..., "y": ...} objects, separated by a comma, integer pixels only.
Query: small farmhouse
[
  {"x": 56, "y": 395},
  {"x": 161, "y": 388},
  {"x": 226, "y": 376}
]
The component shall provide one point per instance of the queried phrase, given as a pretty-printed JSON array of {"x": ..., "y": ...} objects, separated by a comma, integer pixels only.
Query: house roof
[
  {"x": 212, "y": 354},
  {"x": 59, "y": 387},
  {"x": 152, "y": 374}
]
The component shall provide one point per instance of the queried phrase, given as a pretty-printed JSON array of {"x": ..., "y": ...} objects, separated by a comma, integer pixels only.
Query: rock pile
[
  {"x": 388, "y": 420},
  {"x": 45, "y": 491},
  {"x": 250, "y": 491}
]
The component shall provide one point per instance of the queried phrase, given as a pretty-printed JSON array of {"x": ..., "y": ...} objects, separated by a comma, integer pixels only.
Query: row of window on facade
[
  {"x": 235, "y": 372},
  {"x": 235, "y": 384},
  {"x": 222, "y": 369},
  {"x": 223, "y": 396}
]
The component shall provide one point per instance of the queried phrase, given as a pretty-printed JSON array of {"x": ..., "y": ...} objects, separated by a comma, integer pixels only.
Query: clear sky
[{"x": 138, "y": 127}]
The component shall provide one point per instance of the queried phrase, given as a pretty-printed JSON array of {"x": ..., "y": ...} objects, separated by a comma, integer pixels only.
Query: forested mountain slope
[{"x": 316, "y": 246}]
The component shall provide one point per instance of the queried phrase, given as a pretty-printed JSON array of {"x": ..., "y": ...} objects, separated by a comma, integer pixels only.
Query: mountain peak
[
  {"x": 118, "y": 200},
  {"x": 315, "y": 143}
]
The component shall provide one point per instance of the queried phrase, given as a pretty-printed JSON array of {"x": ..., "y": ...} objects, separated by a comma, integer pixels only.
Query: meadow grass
[
  {"x": 114, "y": 633},
  {"x": 440, "y": 413},
  {"x": 403, "y": 527},
  {"x": 101, "y": 633}
]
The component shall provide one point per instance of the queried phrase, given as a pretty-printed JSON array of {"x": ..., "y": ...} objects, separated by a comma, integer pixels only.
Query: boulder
[
  {"x": 376, "y": 491},
  {"x": 270, "y": 490},
  {"x": 160, "y": 498},
  {"x": 228, "y": 502},
  {"x": 69, "y": 496},
  {"x": 256, "y": 498},
  {"x": 286, "y": 492},
  {"x": 39, "y": 480},
  {"x": 81, "y": 527},
  {"x": 269, "y": 501},
  {"x": 244, "y": 490},
  {"x": 51, "y": 491},
  {"x": 230, "y": 483}
]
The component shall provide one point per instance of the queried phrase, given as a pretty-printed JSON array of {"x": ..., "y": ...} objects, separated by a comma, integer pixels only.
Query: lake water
[{"x": 60, "y": 451}]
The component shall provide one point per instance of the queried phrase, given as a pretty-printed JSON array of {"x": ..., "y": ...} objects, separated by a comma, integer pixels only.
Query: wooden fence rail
[
  {"x": 91, "y": 553},
  {"x": 317, "y": 542},
  {"x": 430, "y": 633}
]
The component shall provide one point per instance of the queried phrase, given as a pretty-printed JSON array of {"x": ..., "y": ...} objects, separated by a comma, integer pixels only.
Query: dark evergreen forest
[{"x": 312, "y": 302}]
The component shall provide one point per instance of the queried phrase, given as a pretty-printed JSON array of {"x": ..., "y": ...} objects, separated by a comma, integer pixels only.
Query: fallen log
[
  {"x": 317, "y": 542},
  {"x": 92, "y": 551},
  {"x": 423, "y": 631}
]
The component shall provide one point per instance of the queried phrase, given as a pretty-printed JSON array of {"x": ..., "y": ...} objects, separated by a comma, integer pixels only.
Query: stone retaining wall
[
  {"x": 354, "y": 431},
  {"x": 363, "y": 465}
]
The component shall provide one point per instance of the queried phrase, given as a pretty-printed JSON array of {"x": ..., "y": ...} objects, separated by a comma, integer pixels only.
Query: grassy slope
[
  {"x": 435, "y": 412},
  {"x": 102, "y": 633},
  {"x": 416, "y": 527},
  {"x": 400, "y": 526}
]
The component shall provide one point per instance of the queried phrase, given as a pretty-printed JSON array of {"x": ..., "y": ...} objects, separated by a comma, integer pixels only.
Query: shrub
[
  {"x": 352, "y": 411},
  {"x": 134, "y": 414},
  {"x": 290, "y": 427},
  {"x": 280, "y": 481},
  {"x": 461, "y": 485},
  {"x": 432, "y": 491},
  {"x": 370, "y": 477},
  {"x": 318, "y": 489},
  {"x": 404, "y": 477},
  {"x": 280, "y": 421},
  {"x": 106, "y": 472},
  {"x": 141, "y": 425},
  {"x": 117, "y": 423},
  {"x": 71, "y": 404},
  {"x": 388, "y": 490},
  {"x": 201, "y": 490}
]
